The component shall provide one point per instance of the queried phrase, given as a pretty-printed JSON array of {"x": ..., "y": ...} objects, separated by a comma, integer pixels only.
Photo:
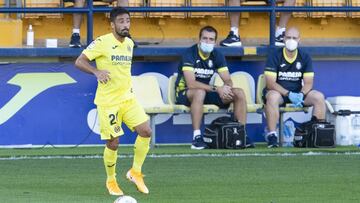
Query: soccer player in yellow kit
[{"x": 114, "y": 98}]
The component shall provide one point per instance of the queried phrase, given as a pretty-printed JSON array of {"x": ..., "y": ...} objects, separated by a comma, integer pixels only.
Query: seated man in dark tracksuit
[
  {"x": 199, "y": 63},
  {"x": 289, "y": 78}
]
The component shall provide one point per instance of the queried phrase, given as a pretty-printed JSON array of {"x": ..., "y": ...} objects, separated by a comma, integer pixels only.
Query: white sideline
[{"x": 184, "y": 155}]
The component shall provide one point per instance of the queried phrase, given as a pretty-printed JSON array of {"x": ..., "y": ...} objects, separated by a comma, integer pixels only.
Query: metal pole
[
  {"x": 90, "y": 21},
  {"x": 272, "y": 23},
  {"x": 7, "y": 4},
  {"x": 153, "y": 128},
  {"x": 18, "y": 5},
  {"x": 281, "y": 127}
]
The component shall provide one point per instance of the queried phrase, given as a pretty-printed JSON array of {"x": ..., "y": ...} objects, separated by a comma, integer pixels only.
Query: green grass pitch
[{"x": 184, "y": 175}]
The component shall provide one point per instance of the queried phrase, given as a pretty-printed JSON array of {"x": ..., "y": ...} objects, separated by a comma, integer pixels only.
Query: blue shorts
[{"x": 210, "y": 98}]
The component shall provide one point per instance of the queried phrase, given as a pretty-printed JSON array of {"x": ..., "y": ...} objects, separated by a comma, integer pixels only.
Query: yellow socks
[
  {"x": 110, "y": 157},
  {"x": 141, "y": 148}
]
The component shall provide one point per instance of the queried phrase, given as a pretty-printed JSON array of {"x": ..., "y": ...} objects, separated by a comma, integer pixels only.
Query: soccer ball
[{"x": 125, "y": 199}]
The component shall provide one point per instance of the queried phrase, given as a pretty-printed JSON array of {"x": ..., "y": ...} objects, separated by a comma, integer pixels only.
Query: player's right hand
[{"x": 103, "y": 76}]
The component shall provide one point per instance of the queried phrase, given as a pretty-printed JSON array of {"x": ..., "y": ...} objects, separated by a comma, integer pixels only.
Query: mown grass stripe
[{"x": 184, "y": 155}]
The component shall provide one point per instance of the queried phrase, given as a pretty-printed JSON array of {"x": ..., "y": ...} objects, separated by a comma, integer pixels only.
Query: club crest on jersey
[
  {"x": 210, "y": 64},
  {"x": 298, "y": 65},
  {"x": 128, "y": 48}
]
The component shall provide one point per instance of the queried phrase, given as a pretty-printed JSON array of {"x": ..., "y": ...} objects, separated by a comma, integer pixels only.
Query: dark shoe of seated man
[
  {"x": 231, "y": 40},
  {"x": 75, "y": 41},
  {"x": 279, "y": 40},
  {"x": 198, "y": 143},
  {"x": 272, "y": 140}
]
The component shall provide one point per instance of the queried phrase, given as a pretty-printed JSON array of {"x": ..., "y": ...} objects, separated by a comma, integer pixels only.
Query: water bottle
[
  {"x": 30, "y": 37},
  {"x": 355, "y": 127},
  {"x": 288, "y": 132}
]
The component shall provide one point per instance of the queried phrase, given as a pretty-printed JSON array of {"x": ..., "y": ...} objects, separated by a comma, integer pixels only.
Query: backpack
[
  {"x": 315, "y": 134},
  {"x": 225, "y": 133}
]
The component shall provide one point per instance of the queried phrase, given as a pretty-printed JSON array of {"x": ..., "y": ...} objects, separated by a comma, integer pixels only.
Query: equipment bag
[
  {"x": 315, "y": 134},
  {"x": 225, "y": 133}
]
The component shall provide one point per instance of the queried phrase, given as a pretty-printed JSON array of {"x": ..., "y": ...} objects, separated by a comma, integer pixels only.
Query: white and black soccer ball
[{"x": 125, "y": 199}]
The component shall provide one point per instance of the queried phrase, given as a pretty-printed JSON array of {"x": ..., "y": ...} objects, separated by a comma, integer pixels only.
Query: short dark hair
[
  {"x": 117, "y": 11},
  {"x": 209, "y": 29}
]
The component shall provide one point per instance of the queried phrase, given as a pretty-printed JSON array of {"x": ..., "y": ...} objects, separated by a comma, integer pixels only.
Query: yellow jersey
[{"x": 116, "y": 57}]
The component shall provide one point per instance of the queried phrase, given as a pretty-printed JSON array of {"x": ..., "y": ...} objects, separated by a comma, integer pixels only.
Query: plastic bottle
[
  {"x": 288, "y": 132},
  {"x": 30, "y": 36},
  {"x": 355, "y": 127}
]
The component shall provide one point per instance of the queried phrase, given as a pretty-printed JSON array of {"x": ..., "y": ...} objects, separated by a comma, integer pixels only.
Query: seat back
[
  {"x": 166, "y": 3},
  {"x": 171, "y": 89},
  {"x": 147, "y": 90},
  {"x": 261, "y": 84},
  {"x": 42, "y": 3},
  {"x": 328, "y": 3},
  {"x": 132, "y": 3},
  {"x": 208, "y": 3},
  {"x": 240, "y": 80},
  {"x": 253, "y": 3}
]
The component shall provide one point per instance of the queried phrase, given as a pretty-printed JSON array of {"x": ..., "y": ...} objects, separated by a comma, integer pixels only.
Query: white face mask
[
  {"x": 206, "y": 48},
  {"x": 291, "y": 44}
]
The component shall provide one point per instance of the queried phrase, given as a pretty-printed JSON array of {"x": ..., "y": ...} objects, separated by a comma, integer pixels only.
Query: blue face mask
[{"x": 206, "y": 48}]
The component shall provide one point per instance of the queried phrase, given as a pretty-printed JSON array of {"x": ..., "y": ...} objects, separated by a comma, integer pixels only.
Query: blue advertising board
[{"x": 52, "y": 103}]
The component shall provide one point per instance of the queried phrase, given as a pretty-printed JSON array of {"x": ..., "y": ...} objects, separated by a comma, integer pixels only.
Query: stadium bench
[
  {"x": 208, "y": 3},
  {"x": 70, "y": 3},
  {"x": 354, "y": 3},
  {"x": 147, "y": 91},
  {"x": 132, "y": 3},
  {"x": 178, "y": 108},
  {"x": 328, "y": 3},
  {"x": 260, "y": 86},
  {"x": 44, "y": 4},
  {"x": 240, "y": 80},
  {"x": 166, "y": 3}
]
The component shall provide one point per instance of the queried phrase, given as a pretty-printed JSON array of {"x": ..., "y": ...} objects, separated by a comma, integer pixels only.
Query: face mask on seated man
[
  {"x": 206, "y": 47},
  {"x": 291, "y": 44}
]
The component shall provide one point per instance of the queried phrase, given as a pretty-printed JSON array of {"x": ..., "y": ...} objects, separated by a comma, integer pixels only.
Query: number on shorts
[{"x": 113, "y": 118}]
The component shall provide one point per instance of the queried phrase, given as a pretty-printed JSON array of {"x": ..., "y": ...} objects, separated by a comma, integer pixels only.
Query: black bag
[
  {"x": 315, "y": 134},
  {"x": 225, "y": 133}
]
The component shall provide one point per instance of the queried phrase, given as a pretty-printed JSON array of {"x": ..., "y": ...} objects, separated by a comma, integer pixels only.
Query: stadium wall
[
  {"x": 254, "y": 29},
  {"x": 52, "y": 103}
]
